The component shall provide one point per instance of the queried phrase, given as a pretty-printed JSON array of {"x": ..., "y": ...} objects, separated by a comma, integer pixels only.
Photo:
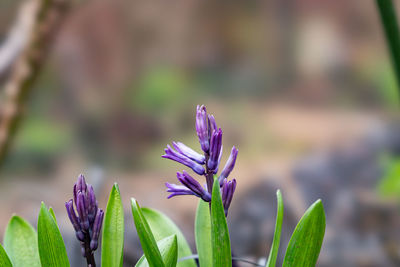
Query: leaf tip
[
  {"x": 116, "y": 187},
  {"x": 318, "y": 205},
  {"x": 278, "y": 193}
]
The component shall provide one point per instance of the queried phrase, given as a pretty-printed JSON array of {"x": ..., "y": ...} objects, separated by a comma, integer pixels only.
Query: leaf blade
[
  {"x": 203, "y": 234},
  {"x": 21, "y": 243},
  {"x": 273, "y": 254},
  {"x": 169, "y": 252},
  {"x": 222, "y": 255},
  {"x": 162, "y": 227},
  {"x": 4, "y": 259},
  {"x": 52, "y": 250},
  {"x": 306, "y": 241},
  {"x": 113, "y": 231},
  {"x": 146, "y": 237}
]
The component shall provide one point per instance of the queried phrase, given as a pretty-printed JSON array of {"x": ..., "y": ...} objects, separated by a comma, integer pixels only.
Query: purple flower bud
[
  {"x": 230, "y": 164},
  {"x": 173, "y": 155},
  {"x": 193, "y": 185},
  {"x": 80, "y": 235},
  {"x": 87, "y": 223},
  {"x": 74, "y": 220},
  {"x": 177, "y": 190},
  {"x": 212, "y": 125},
  {"x": 215, "y": 149},
  {"x": 92, "y": 206},
  {"x": 72, "y": 215},
  {"x": 228, "y": 189},
  {"x": 201, "y": 128},
  {"x": 81, "y": 184},
  {"x": 96, "y": 230},
  {"x": 188, "y": 152},
  {"x": 82, "y": 211}
]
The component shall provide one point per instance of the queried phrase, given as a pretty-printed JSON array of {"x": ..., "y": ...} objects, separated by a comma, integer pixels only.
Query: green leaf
[
  {"x": 161, "y": 227},
  {"x": 146, "y": 237},
  {"x": 112, "y": 243},
  {"x": 169, "y": 252},
  {"x": 221, "y": 246},
  {"x": 387, "y": 12},
  {"x": 4, "y": 260},
  {"x": 306, "y": 241},
  {"x": 273, "y": 254},
  {"x": 21, "y": 243},
  {"x": 51, "y": 245},
  {"x": 53, "y": 214},
  {"x": 203, "y": 234}
]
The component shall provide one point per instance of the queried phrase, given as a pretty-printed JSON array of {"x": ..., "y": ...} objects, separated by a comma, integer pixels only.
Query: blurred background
[{"x": 303, "y": 88}]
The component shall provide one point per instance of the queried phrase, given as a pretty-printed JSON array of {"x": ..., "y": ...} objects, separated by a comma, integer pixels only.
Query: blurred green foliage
[
  {"x": 42, "y": 137},
  {"x": 387, "y": 85},
  {"x": 161, "y": 89},
  {"x": 389, "y": 185}
]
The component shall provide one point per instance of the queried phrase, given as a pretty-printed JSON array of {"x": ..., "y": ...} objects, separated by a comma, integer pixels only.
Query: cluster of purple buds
[
  {"x": 87, "y": 219},
  {"x": 206, "y": 164}
]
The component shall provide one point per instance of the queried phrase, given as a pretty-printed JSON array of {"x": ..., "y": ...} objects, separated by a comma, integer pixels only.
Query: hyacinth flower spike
[
  {"x": 87, "y": 220},
  {"x": 210, "y": 139}
]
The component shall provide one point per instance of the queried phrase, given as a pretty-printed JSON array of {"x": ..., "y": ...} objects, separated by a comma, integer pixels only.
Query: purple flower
[
  {"x": 215, "y": 150},
  {"x": 228, "y": 189},
  {"x": 188, "y": 152},
  {"x": 87, "y": 219},
  {"x": 212, "y": 125},
  {"x": 189, "y": 187},
  {"x": 230, "y": 164},
  {"x": 178, "y": 190},
  {"x": 178, "y": 157},
  {"x": 201, "y": 128}
]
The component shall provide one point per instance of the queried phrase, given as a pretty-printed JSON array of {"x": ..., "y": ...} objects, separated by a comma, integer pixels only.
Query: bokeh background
[{"x": 303, "y": 88}]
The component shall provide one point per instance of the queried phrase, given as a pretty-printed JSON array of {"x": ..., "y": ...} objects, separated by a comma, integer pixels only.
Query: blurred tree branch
[
  {"x": 46, "y": 18},
  {"x": 18, "y": 36}
]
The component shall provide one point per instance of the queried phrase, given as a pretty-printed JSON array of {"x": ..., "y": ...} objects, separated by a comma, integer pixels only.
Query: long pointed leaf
[
  {"x": 4, "y": 260},
  {"x": 51, "y": 244},
  {"x": 169, "y": 252},
  {"x": 221, "y": 246},
  {"x": 112, "y": 243},
  {"x": 146, "y": 237},
  {"x": 273, "y": 254},
  {"x": 161, "y": 227},
  {"x": 203, "y": 234},
  {"x": 306, "y": 241},
  {"x": 20, "y": 242}
]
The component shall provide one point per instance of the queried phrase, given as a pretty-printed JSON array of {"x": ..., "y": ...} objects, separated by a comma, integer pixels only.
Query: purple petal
[
  {"x": 83, "y": 216},
  {"x": 215, "y": 149},
  {"x": 212, "y": 125},
  {"x": 177, "y": 190},
  {"x": 188, "y": 152},
  {"x": 230, "y": 164},
  {"x": 201, "y": 127},
  {"x": 173, "y": 155}
]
